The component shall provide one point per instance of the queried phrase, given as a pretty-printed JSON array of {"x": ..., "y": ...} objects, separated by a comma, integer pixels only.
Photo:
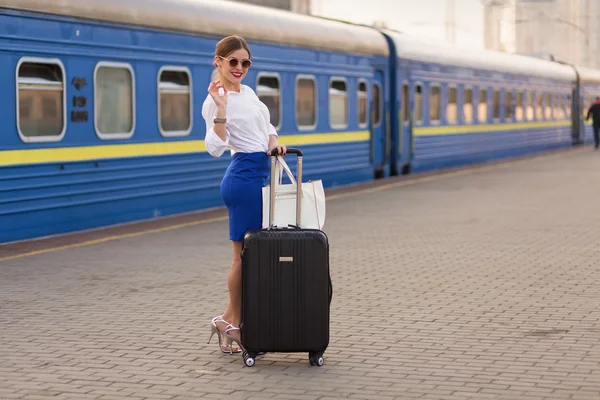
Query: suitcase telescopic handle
[
  {"x": 298, "y": 152},
  {"x": 273, "y": 155}
]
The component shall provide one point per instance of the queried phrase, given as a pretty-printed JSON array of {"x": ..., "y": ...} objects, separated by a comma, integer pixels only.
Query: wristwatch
[{"x": 220, "y": 120}]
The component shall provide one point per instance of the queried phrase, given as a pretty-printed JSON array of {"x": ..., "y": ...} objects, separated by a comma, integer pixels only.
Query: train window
[
  {"x": 435, "y": 103},
  {"x": 529, "y": 113},
  {"x": 174, "y": 101},
  {"x": 114, "y": 100},
  {"x": 338, "y": 104},
  {"x": 508, "y": 105},
  {"x": 539, "y": 110},
  {"x": 363, "y": 101},
  {"x": 559, "y": 107},
  {"x": 376, "y": 104},
  {"x": 496, "y": 105},
  {"x": 451, "y": 106},
  {"x": 41, "y": 99},
  {"x": 306, "y": 111},
  {"x": 468, "y": 106},
  {"x": 482, "y": 106},
  {"x": 569, "y": 105},
  {"x": 269, "y": 92},
  {"x": 548, "y": 107},
  {"x": 405, "y": 103},
  {"x": 419, "y": 104},
  {"x": 519, "y": 107}
]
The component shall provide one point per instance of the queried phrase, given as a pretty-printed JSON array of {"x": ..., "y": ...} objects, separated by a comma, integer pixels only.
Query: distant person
[
  {"x": 237, "y": 120},
  {"x": 595, "y": 112}
]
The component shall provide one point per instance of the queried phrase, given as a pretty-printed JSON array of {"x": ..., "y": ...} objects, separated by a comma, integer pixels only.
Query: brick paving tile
[{"x": 477, "y": 284}]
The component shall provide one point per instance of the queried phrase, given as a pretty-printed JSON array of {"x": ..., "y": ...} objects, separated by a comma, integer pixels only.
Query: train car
[
  {"x": 457, "y": 106},
  {"x": 102, "y": 106},
  {"x": 588, "y": 90}
]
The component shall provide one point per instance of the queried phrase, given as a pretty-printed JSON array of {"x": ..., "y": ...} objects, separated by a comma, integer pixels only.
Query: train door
[
  {"x": 378, "y": 131},
  {"x": 405, "y": 142},
  {"x": 575, "y": 116}
]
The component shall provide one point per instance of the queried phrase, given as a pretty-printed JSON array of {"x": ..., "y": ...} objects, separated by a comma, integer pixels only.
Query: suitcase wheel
[
  {"x": 316, "y": 359},
  {"x": 248, "y": 359}
]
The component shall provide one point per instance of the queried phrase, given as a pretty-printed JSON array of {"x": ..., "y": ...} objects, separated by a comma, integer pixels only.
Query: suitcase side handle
[{"x": 273, "y": 155}]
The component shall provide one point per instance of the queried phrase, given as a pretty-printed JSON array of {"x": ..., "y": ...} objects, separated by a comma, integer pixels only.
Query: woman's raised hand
[{"x": 220, "y": 98}]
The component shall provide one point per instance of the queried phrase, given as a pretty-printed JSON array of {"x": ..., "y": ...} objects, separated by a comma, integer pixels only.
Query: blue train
[{"x": 102, "y": 103}]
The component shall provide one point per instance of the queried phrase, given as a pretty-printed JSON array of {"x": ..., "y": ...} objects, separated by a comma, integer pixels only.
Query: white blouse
[{"x": 248, "y": 124}]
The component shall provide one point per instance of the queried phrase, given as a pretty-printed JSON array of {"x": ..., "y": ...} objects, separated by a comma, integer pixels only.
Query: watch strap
[{"x": 220, "y": 120}]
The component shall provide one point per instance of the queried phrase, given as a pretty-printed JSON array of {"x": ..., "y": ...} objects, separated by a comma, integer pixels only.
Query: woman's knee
[{"x": 237, "y": 252}]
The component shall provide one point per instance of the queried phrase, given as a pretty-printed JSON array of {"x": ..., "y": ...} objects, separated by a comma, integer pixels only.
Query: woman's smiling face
[{"x": 237, "y": 73}]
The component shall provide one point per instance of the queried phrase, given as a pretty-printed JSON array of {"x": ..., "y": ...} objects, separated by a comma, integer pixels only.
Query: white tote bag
[{"x": 312, "y": 207}]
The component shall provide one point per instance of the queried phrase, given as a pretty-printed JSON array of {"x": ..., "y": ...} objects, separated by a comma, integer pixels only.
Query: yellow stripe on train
[
  {"x": 463, "y": 129},
  {"x": 86, "y": 153}
]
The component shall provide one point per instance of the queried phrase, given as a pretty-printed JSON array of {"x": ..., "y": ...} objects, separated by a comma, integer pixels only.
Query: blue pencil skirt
[{"x": 241, "y": 190}]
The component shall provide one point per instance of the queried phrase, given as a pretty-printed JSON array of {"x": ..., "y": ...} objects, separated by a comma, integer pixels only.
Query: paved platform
[{"x": 479, "y": 284}]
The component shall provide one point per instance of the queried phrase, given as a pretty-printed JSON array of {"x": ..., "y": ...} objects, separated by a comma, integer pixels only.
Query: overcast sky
[{"x": 416, "y": 17}]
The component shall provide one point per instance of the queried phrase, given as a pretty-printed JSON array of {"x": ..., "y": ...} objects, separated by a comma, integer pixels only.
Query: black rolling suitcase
[{"x": 286, "y": 287}]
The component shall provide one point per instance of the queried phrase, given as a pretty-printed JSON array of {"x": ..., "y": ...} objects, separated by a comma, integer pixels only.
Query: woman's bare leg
[{"x": 233, "y": 311}]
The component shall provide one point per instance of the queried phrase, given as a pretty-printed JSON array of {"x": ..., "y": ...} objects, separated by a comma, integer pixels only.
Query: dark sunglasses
[{"x": 233, "y": 62}]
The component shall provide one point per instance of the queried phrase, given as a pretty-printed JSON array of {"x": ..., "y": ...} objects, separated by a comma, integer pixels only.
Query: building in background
[
  {"x": 298, "y": 6},
  {"x": 568, "y": 30},
  {"x": 498, "y": 17}
]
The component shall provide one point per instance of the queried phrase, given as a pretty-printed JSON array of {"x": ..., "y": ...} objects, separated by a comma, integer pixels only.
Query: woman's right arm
[{"x": 217, "y": 137}]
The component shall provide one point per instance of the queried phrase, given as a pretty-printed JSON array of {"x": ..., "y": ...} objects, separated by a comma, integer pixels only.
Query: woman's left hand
[{"x": 281, "y": 149}]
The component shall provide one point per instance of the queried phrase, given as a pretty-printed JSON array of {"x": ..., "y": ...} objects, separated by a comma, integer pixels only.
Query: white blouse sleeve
[
  {"x": 214, "y": 145},
  {"x": 272, "y": 130}
]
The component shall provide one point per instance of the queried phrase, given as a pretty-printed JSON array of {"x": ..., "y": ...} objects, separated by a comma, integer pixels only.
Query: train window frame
[
  {"x": 486, "y": 90},
  {"x": 420, "y": 85},
  {"x": 519, "y": 97},
  {"x": 507, "y": 104},
  {"x": 377, "y": 123},
  {"x": 405, "y": 106},
  {"x": 539, "y": 102},
  {"x": 529, "y": 97},
  {"x": 496, "y": 91},
  {"x": 329, "y": 87},
  {"x": 433, "y": 85},
  {"x": 315, "y": 101},
  {"x": 548, "y": 115},
  {"x": 560, "y": 106},
  {"x": 276, "y": 75},
  {"x": 180, "y": 133},
  {"x": 456, "y": 103},
  {"x": 366, "y": 123},
  {"x": 116, "y": 135},
  {"x": 465, "y": 89},
  {"x": 41, "y": 139}
]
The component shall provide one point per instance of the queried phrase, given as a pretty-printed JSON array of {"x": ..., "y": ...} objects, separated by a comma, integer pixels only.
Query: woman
[{"x": 238, "y": 120}]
